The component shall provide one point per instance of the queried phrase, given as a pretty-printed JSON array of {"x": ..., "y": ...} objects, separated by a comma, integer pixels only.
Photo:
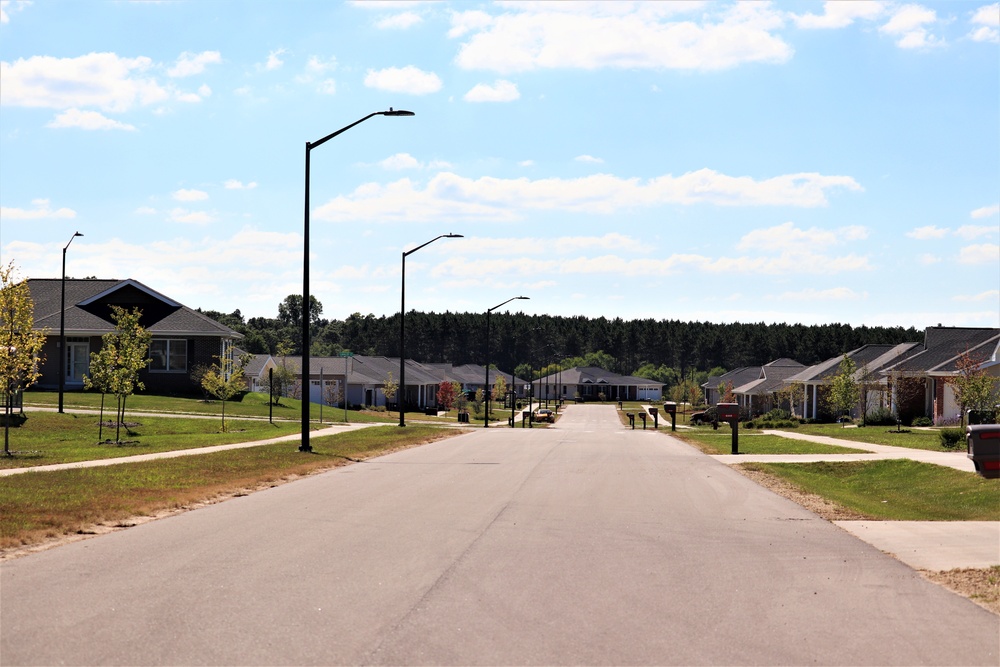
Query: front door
[{"x": 77, "y": 360}]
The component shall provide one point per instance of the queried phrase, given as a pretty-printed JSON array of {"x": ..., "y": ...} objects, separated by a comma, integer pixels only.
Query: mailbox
[
  {"x": 727, "y": 411},
  {"x": 983, "y": 443},
  {"x": 730, "y": 412},
  {"x": 671, "y": 409}
]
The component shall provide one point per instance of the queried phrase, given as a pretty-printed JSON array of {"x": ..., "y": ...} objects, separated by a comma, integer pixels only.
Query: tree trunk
[{"x": 100, "y": 424}]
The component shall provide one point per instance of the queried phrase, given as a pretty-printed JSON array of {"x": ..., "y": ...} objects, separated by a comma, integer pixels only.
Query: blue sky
[{"x": 780, "y": 162}]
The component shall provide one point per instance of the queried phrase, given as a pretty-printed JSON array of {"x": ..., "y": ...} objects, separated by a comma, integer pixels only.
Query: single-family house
[
  {"x": 761, "y": 394},
  {"x": 932, "y": 364},
  {"x": 592, "y": 384},
  {"x": 182, "y": 338},
  {"x": 869, "y": 361}
]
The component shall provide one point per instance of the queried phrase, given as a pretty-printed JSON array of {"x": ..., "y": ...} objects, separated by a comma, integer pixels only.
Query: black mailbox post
[
  {"x": 983, "y": 443},
  {"x": 671, "y": 408},
  {"x": 730, "y": 412},
  {"x": 656, "y": 417},
  {"x": 631, "y": 419},
  {"x": 642, "y": 415}
]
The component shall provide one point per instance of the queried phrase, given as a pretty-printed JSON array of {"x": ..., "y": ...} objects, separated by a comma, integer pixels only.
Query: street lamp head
[
  {"x": 453, "y": 236},
  {"x": 77, "y": 234},
  {"x": 526, "y": 298},
  {"x": 397, "y": 112}
]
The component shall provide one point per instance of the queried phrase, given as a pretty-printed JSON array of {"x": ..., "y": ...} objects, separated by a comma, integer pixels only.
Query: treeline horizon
[{"x": 656, "y": 347}]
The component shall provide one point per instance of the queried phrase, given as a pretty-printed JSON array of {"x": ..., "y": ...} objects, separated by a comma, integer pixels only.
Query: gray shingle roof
[
  {"x": 88, "y": 312},
  {"x": 944, "y": 345}
]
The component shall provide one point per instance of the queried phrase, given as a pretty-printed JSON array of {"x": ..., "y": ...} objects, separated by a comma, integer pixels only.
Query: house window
[{"x": 169, "y": 355}]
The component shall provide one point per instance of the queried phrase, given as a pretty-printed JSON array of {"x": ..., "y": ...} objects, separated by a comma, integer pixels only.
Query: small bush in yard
[
  {"x": 951, "y": 437},
  {"x": 880, "y": 417},
  {"x": 923, "y": 421}
]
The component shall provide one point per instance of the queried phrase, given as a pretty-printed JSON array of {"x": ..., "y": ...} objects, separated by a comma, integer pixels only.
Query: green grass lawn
[
  {"x": 896, "y": 490},
  {"x": 252, "y": 405},
  {"x": 878, "y": 435},
  {"x": 45, "y": 505},
  {"x": 49, "y": 437},
  {"x": 754, "y": 442}
]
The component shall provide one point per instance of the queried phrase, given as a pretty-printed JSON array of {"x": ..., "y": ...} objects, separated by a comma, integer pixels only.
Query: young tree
[
  {"x": 974, "y": 388},
  {"x": 904, "y": 390},
  {"x": 845, "y": 391},
  {"x": 726, "y": 391},
  {"x": 446, "y": 395},
  {"x": 461, "y": 400},
  {"x": 477, "y": 402},
  {"x": 20, "y": 346},
  {"x": 390, "y": 388},
  {"x": 225, "y": 379},
  {"x": 101, "y": 376},
  {"x": 499, "y": 388}
]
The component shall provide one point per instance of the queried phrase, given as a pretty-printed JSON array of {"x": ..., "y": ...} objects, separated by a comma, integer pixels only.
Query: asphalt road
[{"x": 580, "y": 544}]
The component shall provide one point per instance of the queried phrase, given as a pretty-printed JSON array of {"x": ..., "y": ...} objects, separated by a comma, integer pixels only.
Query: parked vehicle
[{"x": 544, "y": 415}]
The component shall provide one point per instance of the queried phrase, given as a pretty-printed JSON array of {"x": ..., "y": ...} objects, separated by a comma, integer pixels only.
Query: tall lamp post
[
  {"x": 62, "y": 326},
  {"x": 486, "y": 386},
  {"x": 304, "y": 446},
  {"x": 401, "y": 392}
]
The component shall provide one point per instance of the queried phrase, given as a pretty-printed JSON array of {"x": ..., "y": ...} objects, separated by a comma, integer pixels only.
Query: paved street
[{"x": 584, "y": 543}]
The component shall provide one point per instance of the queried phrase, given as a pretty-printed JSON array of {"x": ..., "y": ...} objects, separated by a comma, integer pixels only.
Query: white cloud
[
  {"x": 190, "y": 195},
  {"x": 840, "y": 14},
  {"x": 983, "y": 253},
  {"x": 102, "y": 80},
  {"x": 400, "y": 161},
  {"x": 274, "y": 60},
  {"x": 190, "y": 217},
  {"x": 448, "y": 195},
  {"x": 928, "y": 260},
  {"x": 9, "y": 6},
  {"x": 908, "y": 25},
  {"x": 590, "y": 36},
  {"x": 526, "y": 163},
  {"x": 614, "y": 265},
  {"x": 969, "y": 232},
  {"x": 986, "y": 211},
  {"x": 787, "y": 237},
  {"x": 87, "y": 120},
  {"x": 988, "y": 19},
  {"x": 318, "y": 66},
  {"x": 145, "y": 210},
  {"x": 189, "y": 64},
  {"x": 991, "y": 296},
  {"x": 563, "y": 245},
  {"x": 928, "y": 232},
  {"x": 463, "y": 23},
  {"x": 500, "y": 91},
  {"x": 233, "y": 184},
  {"x": 407, "y": 79},
  {"x": 42, "y": 211},
  {"x": 401, "y": 21},
  {"x": 589, "y": 158},
  {"x": 833, "y": 294}
]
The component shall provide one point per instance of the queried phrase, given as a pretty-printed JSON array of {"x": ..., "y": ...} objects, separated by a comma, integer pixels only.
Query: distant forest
[{"x": 664, "y": 349}]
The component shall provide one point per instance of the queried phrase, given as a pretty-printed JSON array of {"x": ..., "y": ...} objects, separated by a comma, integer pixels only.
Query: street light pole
[
  {"x": 401, "y": 392},
  {"x": 304, "y": 446},
  {"x": 486, "y": 386},
  {"x": 62, "y": 326}
]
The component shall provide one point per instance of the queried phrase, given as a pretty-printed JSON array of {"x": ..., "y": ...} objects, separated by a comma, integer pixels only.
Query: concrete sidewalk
[{"x": 329, "y": 430}]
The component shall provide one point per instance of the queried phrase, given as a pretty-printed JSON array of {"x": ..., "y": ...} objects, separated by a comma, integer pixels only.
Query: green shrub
[
  {"x": 951, "y": 437},
  {"x": 880, "y": 417},
  {"x": 778, "y": 415},
  {"x": 923, "y": 421}
]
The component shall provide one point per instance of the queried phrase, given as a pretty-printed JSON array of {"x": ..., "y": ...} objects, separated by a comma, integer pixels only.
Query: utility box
[{"x": 983, "y": 443}]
